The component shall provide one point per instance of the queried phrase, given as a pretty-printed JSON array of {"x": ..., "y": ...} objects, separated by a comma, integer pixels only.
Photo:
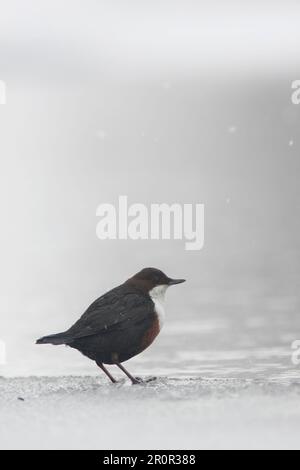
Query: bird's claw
[{"x": 139, "y": 380}]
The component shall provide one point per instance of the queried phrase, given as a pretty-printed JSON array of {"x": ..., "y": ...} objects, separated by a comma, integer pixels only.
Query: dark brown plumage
[{"x": 120, "y": 324}]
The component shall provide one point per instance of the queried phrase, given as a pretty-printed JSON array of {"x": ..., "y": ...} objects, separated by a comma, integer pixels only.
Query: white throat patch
[{"x": 157, "y": 294}]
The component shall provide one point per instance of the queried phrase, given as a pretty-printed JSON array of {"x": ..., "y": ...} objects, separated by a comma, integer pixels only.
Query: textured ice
[
  {"x": 226, "y": 380},
  {"x": 179, "y": 412}
]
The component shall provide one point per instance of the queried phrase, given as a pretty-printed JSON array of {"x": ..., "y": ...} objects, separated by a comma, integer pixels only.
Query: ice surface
[
  {"x": 180, "y": 413},
  {"x": 225, "y": 380}
]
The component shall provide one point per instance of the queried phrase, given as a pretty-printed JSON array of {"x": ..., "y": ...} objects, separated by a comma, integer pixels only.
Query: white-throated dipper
[{"x": 120, "y": 324}]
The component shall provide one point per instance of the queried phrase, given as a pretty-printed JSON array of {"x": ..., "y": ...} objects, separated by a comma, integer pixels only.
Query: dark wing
[{"x": 114, "y": 310}]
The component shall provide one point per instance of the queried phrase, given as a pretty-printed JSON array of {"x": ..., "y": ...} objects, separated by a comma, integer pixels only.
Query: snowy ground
[
  {"x": 225, "y": 380},
  {"x": 179, "y": 413}
]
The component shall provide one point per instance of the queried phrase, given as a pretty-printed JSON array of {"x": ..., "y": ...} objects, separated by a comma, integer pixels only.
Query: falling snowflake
[
  {"x": 166, "y": 85},
  {"x": 101, "y": 134}
]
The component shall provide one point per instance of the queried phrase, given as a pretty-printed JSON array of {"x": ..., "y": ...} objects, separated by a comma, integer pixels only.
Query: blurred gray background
[{"x": 163, "y": 101}]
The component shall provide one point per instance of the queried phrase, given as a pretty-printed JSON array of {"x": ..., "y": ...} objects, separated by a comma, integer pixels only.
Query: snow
[{"x": 177, "y": 412}]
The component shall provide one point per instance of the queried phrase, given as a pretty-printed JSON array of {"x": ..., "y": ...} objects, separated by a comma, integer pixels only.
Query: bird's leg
[
  {"x": 99, "y": 364},
  {"x": 133, "y": 379}
]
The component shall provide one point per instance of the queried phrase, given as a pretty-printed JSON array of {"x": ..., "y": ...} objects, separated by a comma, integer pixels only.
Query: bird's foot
[
  {"x": 151, "y": 379},
  {"x": 139, "y": 380}
]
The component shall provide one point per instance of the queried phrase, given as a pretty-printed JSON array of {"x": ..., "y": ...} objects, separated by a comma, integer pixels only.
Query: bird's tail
[{"x": 60, "y": 338}]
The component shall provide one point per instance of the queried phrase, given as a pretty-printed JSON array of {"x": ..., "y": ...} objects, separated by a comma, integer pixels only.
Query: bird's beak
[{"x": 173, "y": 282}]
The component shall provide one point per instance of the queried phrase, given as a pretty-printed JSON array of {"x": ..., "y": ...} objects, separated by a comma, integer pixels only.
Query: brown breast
[{"x": 151, "y": 333}]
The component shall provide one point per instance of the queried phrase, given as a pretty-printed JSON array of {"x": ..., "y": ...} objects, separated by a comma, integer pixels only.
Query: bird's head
[{"x": 151, "y": 278}]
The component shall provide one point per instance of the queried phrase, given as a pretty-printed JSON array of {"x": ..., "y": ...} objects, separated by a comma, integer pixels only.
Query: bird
[{"x": 120, "y": 324}]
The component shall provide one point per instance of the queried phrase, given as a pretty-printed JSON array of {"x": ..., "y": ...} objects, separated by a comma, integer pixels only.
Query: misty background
[{"x": 162, "y": 101}]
